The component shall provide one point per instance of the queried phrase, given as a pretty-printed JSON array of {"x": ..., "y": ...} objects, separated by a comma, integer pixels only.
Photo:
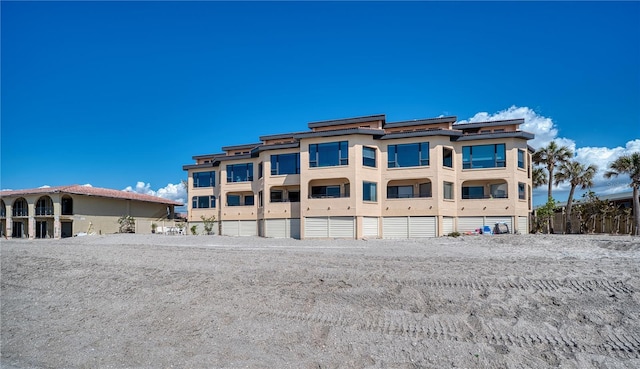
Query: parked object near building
[
  {"x": 65, "y": 211},
  {"x": 365, "y": 177}
]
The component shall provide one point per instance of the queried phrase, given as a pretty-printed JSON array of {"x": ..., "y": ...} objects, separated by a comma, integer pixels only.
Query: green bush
[{"x": 454, "y": 234}]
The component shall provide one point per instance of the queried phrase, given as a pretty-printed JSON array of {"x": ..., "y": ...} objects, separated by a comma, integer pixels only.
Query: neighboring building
[
  {"x": 55, "y": 212},
  {"x": 365, "y": 177}
]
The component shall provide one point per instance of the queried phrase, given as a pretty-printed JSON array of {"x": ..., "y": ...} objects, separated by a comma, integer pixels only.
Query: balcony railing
[
  {"x": 483, "y": 197},
  {"x": 20, "y": 212},
  {"x": 48, "y": 210},
  {"x": 416, "y": 196},
  {"x": 328, "y": 196}
]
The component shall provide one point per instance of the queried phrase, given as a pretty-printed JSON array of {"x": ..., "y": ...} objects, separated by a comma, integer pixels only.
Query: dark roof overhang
[
  {"x": 337, "y": 122},
  {"x": 423, "y": 133},
  {"x": 291, "y": 145},
  {"x": 486, "y": 136},
  {"x": 419, "y": 122},
  {"x": 343, "y": 132},
  {"x": 488, "y": 124}
]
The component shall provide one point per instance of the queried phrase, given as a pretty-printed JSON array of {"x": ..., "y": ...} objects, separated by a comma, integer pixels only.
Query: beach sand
[{"x": 156, "y": 301}]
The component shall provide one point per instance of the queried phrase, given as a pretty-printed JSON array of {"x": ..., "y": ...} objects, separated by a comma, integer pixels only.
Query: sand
[{"x": 156, "y": 301}]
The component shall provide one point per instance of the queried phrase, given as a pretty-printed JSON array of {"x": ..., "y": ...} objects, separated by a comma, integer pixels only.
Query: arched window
[
  {"x": 20, "y": 208},
  {"x": 44, "y": 206},
  {"x": 67, "y": 205}
]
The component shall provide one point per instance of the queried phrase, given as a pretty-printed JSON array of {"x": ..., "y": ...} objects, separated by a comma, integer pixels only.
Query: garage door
[
  {"x": 329, "y": 227},
  {"x": 342, "y": 227},
  {"x": 248, "y": 228},
  {"x": 447, "y": 225},
  {"x": 523, "y": 225},
  {"x": 316, "y": 227},
  {"x": 239, "y": 228},
  {"x": 370, "y": 227},
  {"x": 283, "y": 228},
  {"x": 395, "y": 227},
  {"x": 491, "y": 222},
  {"x": 468, "y": 224},
  {"x": 230, "y": 228},
  {"x": 422, "y": 227},
  {"x": 276, "y": 228}
]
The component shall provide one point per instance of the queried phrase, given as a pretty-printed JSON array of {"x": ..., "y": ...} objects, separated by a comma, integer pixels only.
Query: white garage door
[
  {"x": 421, "y": 227},
  {"x": 469, "y": 224},
  {"x": 395, "y": 227},
  {"x": 491, "y": 222},
  {"x": 283, "y": 228},
  {"x": 523, "y": 225},
  {"x": 240, "y": 228},
  {"x": 230, "y": 228},
  {"x": 276, "y": 228},
  {"x": 447, "y": 225},
  {"x": 316, "y": 227},
  {"x": 370, "y": 227},
  {"x": 342, "y": 227}
]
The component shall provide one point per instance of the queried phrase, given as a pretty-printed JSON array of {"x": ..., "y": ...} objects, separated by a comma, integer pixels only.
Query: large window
[
  {"x": 322, "y": 192},
  {"x": 329, "y": 154},
  {"x": 203, "y": 202},
  {"x": 204, "y": 179},
  {"x": 285, "y": 164},
  {"x": 521, "y": 191},
  {"x": 408, "y": 155},
  {"x": 20, "y": 208},
  {"x": 448, "y": 190},
  {"x": 521, "y": 160},
  {"x": 408, "y": 191},
  {"x": 483, "y": 156},
  {"x": 240, "y": 200},
  {"x": 369, "y": 191},
  {"x": 473, "y": 192},
  {"x": 447, "y": 157},
  {"x": 240, "y": 172},
  {"x": 368, "y": 156}
]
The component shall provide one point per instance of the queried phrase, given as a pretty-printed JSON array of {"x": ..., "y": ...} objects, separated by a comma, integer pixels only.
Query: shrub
[
  {"x": 194, "y": 230},
  {"x": 454, "y": 234}
]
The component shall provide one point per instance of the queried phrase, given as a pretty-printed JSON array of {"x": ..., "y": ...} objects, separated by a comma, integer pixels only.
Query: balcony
[{"x": 44, "y": 211}]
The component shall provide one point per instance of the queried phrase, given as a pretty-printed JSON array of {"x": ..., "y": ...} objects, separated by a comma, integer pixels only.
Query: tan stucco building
[
  {"x": 364, "y": 177},
  {"x": 65, "y": 211}
]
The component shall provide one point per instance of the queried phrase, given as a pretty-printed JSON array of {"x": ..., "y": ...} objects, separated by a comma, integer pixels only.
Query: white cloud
[
  {"x": 45, "y": 186},
  {"x": 175, "y": 192},
  {"x": 545, "y": 131},
  {"x": 87, "y": 185}
]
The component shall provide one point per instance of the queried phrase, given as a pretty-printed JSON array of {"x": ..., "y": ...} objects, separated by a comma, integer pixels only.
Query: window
[
  {"x": 240, "y": 172},
  {"x": 498, "y": 191},
  {"x": 249, "y": 200},
  {"x": 521, "y": 191},
  {"x": 448, "y": 190},
  {"x": 399, "y": 192},
  {"x": 276, "y": 196},
  {"x": 407, "y": 191},
  {"x": 408, "y": 155},
  {"x": 329, "y": 154},
  {"x": 473, "y": 192},
  {"x": 233, "y": 200},
  {"x": 483, "y": 156},
  {"x": 521, "y": 158},
  {"x": 424, "y": 189},
  {"x": 369, "y": 191},
  {"x": 447, "y": 157},
  {"x": 294, "y": 196},
  {"x": 260, "y": 199},
  {"x": 285, "y": 164},
  {"x": 321, "y": 192},
  {"x": 368, "y": 156},
  {"x": 203, "y": 202},
  {"x": 67, "y": 205},
  {"x": 44, "y": 206},
  {"x": 260, "y": 169},
  {"x": 204, "y": 179},
  {"x": 20, "y": 208}
]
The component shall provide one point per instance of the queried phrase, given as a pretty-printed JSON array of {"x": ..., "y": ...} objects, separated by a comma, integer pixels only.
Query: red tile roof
[{"x": 92, "y": 191}]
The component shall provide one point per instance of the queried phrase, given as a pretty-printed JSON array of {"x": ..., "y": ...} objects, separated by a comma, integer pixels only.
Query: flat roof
[
  {"x": 343, "y": 132},
  {"x": 490, "y": 123},
  {"x": 419, "y": 122}
]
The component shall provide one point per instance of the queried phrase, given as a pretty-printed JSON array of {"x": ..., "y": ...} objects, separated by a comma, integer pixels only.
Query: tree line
[{"x": 555, "y": 165}]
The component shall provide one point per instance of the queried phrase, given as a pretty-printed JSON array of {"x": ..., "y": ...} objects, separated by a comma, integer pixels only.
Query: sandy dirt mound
[{"x": 134, "y": 301}]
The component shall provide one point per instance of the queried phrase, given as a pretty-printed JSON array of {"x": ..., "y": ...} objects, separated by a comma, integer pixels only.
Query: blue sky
[{"x": 122, "y": 94}]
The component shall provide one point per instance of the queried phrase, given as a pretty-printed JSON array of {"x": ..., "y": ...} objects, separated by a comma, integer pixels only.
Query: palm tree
[
  {"x": 539, "y": 177},
  {"x": 577, "y": 175},
  {"x": 630, "y": 165},
  {"x": 550, "y": 156}
]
